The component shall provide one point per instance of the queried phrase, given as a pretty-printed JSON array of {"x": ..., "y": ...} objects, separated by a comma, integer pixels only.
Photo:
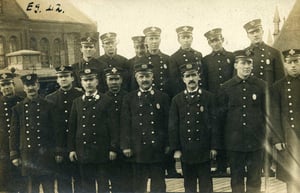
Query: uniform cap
[
  {"x": 187, "y": 67},
  {"x": 112, "y": 71},
  {"x": 138, "y": 39},
  {"x": 109, "y": 36},
  {"x": 29, "y": 79},
  {"x": 214, "y": 33},
  {"x": 243, "y": 54},
  {"x": 88, "y": 73},
  {"x": 252, "y": 25},
  {"x": 88, "y": 40},
  {"x": 152, "y": 31},
  {"x": 291, "y": 53},
  {"x": 142, "y": 65},
  {"x": 6, "y": 77},
  {"x": 63, "y": 69},
  {"x": 184, "y": 30}
]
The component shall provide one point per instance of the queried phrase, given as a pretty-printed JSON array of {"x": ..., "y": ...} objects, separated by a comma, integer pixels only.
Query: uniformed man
[
  {"x": 268, "y": 66},
  {"x": 286, "y": 114},
  {"x": 267, "y": 61},
  {"x": 217, "y": 68},
  {"x": 242, "y": 107},
  {"x": 92, "y": 138},
  {"x": 159, "y": 60},
  {"x": 112, "y": 59},
  {"x": 32, "y": 141},
  {"x": 10, "y": 176},
  {"x": 62, "y": 100},
  {"x": 88, "y": 50},
  {"x": 144, "y": 130},
  {"x": 140, "y": 49},
  {"x": 192, "y": 135},
  {"x": 121, "y": 172},
  {"x": 185, "y": 52}
]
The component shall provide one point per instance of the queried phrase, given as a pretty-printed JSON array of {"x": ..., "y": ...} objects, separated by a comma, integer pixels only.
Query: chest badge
[
  {"x": 157, "y": 105},
  {"x": 165, "y": 66},
  {"x": 201, "y": 109},
  {"x": 268, "y": 61},
  {"x": 254, "y": 97},
  {"x": 228, "y": 60}
]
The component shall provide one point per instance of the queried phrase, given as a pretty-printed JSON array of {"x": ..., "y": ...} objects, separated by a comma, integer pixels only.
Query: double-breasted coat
[{"x": 144, "y": 125}]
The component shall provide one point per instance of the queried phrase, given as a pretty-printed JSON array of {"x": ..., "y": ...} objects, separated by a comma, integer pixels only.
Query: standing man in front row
[
  {"x": 286, "y": 113},
  {"x": 32, "y": 140},
  {"x": 62, "y": 100},
  {"x": 242, "y": 107},
  {"x": 144, "y": 137},
  {"x": 192, "y": 135},
  {"x": 92, "y": 139}
]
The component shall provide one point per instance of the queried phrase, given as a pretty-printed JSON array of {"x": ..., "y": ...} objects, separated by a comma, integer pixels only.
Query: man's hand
[
  {"x": 127, "y": 152},
  {"x": 59, "y": 158},
  {"x": 177, "y": 154},
  {"x": 280, "y": 146},
  {"x": 213, "y": 154},
  {"x": 17, "y": 162},
  {"x": 73, "y": 156},
  {"x": 112, "y": 155}
]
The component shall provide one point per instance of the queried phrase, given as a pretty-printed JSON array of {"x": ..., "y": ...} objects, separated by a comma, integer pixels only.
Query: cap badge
[
  {"x": 89, "y": 39},
  {"x": 252, "y": 23},
  {"x": 248, "y": 52},
  {"x": 153, "y": 29},
  {"x": 28, "y": 77},
  {"x": 185, "y": 28},
  {"x": 144, "y": 66},
  {"x": 87, "y": 71},
  {"x": 108, "y": 35},
  {"x": 114, "y": 70},
  {"x": 4, "y": 76},
  {"x": 189, "y": 66},
  {"x": 292, "y": 52},
  {"x": 62, "y": 68}
]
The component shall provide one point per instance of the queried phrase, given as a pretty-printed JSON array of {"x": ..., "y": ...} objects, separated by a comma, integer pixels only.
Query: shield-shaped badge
[{"x": 254, "y": 97}]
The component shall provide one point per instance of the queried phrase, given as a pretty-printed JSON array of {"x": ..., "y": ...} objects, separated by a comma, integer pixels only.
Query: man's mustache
[{"x": 192, "y": 81}]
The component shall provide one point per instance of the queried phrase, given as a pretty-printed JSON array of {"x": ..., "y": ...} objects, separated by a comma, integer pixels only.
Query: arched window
[
  {"x": 33, "y": 44},
  {"x": 56, "y": 52},
  {"x": 2, "y": 52},
  {"x": 13, "y": 44},
  {"x": 45, "y": 49}
]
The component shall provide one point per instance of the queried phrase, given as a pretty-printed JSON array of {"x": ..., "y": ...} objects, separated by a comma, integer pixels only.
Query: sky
[{"x": 129, "y": 17}]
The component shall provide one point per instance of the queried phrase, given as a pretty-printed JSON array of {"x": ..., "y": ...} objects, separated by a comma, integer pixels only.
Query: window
[
  {"x": 44, "y": 45},
  {"x": 33, "y": 44},
  {"x": 56, "y": 52},
  {"x": 13, "y": 44},
  {"x": 2, "y": 52}
]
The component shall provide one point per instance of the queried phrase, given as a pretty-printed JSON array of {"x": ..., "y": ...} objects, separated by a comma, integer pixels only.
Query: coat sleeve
[
  {"x": 174, "y": 125},
  {"x": 125, "y": 133},
  {"x": 72, "y": 128},
  {"x": 14, "y": 140}
]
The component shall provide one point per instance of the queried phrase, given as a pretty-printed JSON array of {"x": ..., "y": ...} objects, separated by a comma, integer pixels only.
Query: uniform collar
[
  {"x": 141, "y": 91},
  {"x": 27, "y": 100},
  {"x": 258, "y": 45},
  {"x": 159, "y": 53},
  {"x": 222, "y": 51},
  {"x": 291, "y": 78},
  {"x": 95, "y": 96}
]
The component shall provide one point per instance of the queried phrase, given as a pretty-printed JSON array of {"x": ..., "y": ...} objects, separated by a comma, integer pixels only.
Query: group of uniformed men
[{"x": 155, "y": 108}]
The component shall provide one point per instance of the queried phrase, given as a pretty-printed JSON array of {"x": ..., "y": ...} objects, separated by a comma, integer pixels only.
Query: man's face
[
  {"x": 88, "y": 50},
  {"x": 292, "y": 67},
  {"x": 152, "y": 42},
  {"x": 65, "y": 80},
  {"x": 144, "y": 79},
  {"x": 114, "y": 83},
  {"x": 243, "y": 67},
  {"x": 185, "y": 40},
  {"x": 31, "y": 90},
  {"x": 216, "y": 43},
  {"x": 110, "y": 47},
  {"x": 139, "y": 49},
  {"x": 7, "y": 88},
  {"x": 256, "y": 36},
  {"x": 89, "y": 84},
  {"x": 191, "y": 79}
]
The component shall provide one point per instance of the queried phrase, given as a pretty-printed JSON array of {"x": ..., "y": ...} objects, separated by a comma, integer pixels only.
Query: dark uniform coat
[
  {"x": 191, "y": 128},
  {"x": 6, "y": 168},
  {"x": 161, "y": 72},
  {"x": 92, "y": 131},
  {"x": 176, "y": 60},
  {"x": 120, "y": 62},
  {"x": 218, "y": 67},
  {"x": 33, "y": 125},
  {"x": 267, "y": 63},
  {"x": 286, "y": 114},
  {"x": 94, "y": 64},
  {"x": 242, "y": 106},
  {"x": 144, "y": 125}
]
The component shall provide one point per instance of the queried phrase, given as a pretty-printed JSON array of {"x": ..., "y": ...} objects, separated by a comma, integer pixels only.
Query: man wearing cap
[
  {"x": 112, "y": 59},
  {"x": 242, "y": 117},
  {"x": 217, "y": 68},
  {"x": 88, "y": 49},
  {"x": 140, "y": 49},
  {"x": 121, "y": 172},
  {"x": 92, "y": 137},
  {"x": 144, "y": 130},
  {"x": 62, "y": 100},
  {"x": 192, "y": 134},
  {"x": 286, "y": 114},
  {"x": 10, "y": 176},
  {"x": 267, "y": 65},
  {"x": 182, "y": 55},
  {"x": 32, "y": 139}
]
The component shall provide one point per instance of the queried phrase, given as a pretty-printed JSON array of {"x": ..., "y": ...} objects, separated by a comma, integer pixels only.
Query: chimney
[{"x": 276, "y": 22}]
